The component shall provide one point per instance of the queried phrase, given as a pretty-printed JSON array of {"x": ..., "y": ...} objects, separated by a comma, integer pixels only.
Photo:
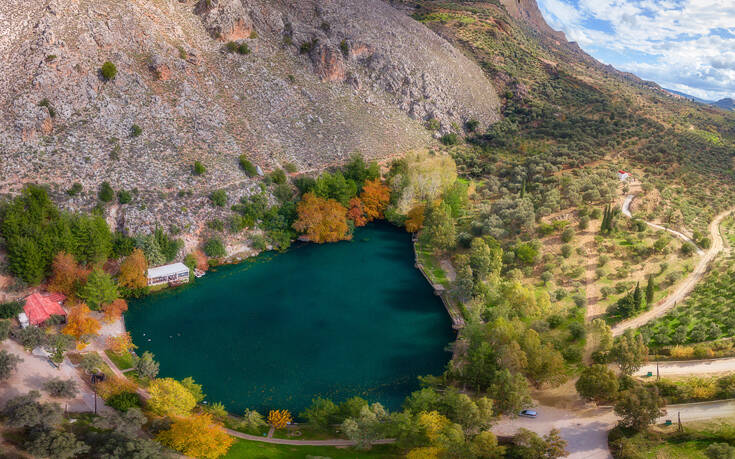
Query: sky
[{"x": 685, "y": 45}]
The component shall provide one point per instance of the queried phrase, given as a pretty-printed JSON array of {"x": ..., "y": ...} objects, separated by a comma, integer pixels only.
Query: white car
[{"x": 528, "y": 414}]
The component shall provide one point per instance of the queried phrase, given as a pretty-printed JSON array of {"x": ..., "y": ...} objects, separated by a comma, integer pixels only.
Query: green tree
[
  {"x": 218, "y": 198},
  {"x": 215, "y": 248},
  {"x": 367, "y": 427},
  {"x": 637, "y": 297},
  {"x": 629, "y": 352},
  {"x": 597, "y": 383},
  {"x": 439, "y": 230},
  {"x": 335, "y": 186},
  {"x": 464, "y": 282},
  {"x": 99, "y": 290},
  {"x": 147, "y": 367},
  {"x": 456, "y": 198},
  {"x": 45, "y": 442},
  {"x": 639, "y": 406},
  {"x": 91, "y": 239},
  {"x": 61, "y": 388},
  {"x": 321, "y": 412},
  {"x": 485, "y": 261},
  {"x": 8, "y": 363},
  {"x": 26, "y": 411},
  {"x": 359, "y": 171},
  {"x": 198, "y": 168},
  {"x": 510, "y": 392},
  {"x": 485, "y": 446},
  {"x": 248, "y": 166},
  {"x": 194, "y": 388}
]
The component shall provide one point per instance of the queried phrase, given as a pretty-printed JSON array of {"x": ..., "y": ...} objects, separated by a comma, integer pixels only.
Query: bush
[
  {"x": 214, "y": 248},
  {"x": 124, "y": 197},
  {"x": 75, "y": 189},
  {"x": 199, "y": 168},
  {"x": 10, "y": 310},
  {"x": 106, "y": 193},
  {"x": 123, "y": 401},
  {"x": 108, "y": 70},
  {"x": 566, "y": 250},
  {"x": 218, "y": 198},
  {"x": 231, "y": 46},
  {"x": 247, "y": 166},
  {"x": 243, "y": 48},
  {"x": 278, "y": 176},
  {"x": 135, "y": 130},
  {"x": 567, "y": 235},
  {"x": 450, "y": 139}
]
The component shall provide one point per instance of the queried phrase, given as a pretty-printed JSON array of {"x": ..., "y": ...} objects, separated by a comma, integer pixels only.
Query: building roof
[
  {"x": 167, "y": 270},
  {"x": 39, "y": 308}
]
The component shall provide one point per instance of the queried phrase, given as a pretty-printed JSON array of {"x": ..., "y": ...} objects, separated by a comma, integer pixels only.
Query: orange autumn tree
[
  {"x": 113, "y": 311},
  {"x": 121, "y": 344},
  {"x": 415, "y": 220},
  {"x": 79, "y": 324},
  {"x": 197, "y": 436},
  {"x": 375, "y": 197},
  {"x": 66, "y": 273},
  {"x": 321, "y": 220},
  {"x": 356, "y": 213},
  {"x": 133, "y": 271},
  {"x": 279, "y": 418}
]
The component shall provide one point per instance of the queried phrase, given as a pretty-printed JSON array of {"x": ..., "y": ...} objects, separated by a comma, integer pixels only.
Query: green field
[{"x": 243, "y": 449}]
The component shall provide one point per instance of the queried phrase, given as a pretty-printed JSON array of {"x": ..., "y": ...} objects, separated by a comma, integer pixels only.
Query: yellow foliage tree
[
  {"x": 433, "y": 423},
  {"x": 133, "y": 271},
  {"x": 279, "y": 418},
  {"x": 113, "y": 385},
  {"x": 427, "y": 452},
  {"x": 197, "y": 436},
  {"x": 415, "y": 220},
  {"x": 375, "y": 197},
  {"x": 170, "y": 398},
  {"x": 113, "y": 311},
  {"x": 121, "y": 344},
  {"x": 79, "y": 324},
  {"x": 322, "y": 220}
]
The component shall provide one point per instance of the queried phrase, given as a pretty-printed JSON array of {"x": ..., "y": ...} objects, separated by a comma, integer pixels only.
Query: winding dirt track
[{"x": 686, "y": 287}]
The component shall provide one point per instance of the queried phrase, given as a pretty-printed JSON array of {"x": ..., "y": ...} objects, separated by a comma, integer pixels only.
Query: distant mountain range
[{"x": 727, "y": 103}]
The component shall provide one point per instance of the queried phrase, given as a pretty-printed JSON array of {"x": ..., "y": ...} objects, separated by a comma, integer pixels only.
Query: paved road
[
  {"x": 684, "y": 288},
  {"x": 689, "y": 367},
  {"x": 586, "y": 431}
]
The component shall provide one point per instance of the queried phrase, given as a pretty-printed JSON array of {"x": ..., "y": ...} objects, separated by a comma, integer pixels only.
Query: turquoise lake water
[{"x": 333, "y": 320}]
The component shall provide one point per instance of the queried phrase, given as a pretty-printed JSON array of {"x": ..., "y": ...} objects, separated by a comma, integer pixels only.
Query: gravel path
[{"x": 689, "y": 367}]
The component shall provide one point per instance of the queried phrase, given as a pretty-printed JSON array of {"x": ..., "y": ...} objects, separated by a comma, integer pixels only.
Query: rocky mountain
[
  {"x": 306, "y": 83},
  {"x": 726, "y": 103}
]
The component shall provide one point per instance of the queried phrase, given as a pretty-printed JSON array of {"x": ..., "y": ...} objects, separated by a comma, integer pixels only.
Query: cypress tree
[
  {"x": 637, "y": 297},
  {"x": 649, "y": 291}
]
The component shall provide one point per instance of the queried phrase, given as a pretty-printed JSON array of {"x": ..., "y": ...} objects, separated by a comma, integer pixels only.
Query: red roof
[
  {"x": 39, "y": 308},
  {"x": 622, "y": 172}
]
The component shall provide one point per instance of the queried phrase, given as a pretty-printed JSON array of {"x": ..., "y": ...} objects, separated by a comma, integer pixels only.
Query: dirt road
[
  {"x": 690, "y": 367},
  {"x": 684, "y": 288}
]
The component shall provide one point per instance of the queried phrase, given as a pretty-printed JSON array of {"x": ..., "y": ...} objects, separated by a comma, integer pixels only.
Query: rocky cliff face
[{"x": 317, "y": 81}]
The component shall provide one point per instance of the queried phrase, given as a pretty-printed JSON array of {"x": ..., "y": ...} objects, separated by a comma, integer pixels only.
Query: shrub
[
  {"x": 75, "y": 189},
  {"x": 106, "y": 193},
  {"x": 231, "y": 46},
  {"x": 243, "y": 48},
  {"x": 682, "y": 352},
  {"x": 10, "y": 310},
  {"x": 471, "y": 125},
  {"x": 344, "y": 47},
  {"x": 135, "y": 130},
  {"x": 278, "y": 176},
  {"x": 218, "y": 198},
  {"x": 433, "y": 124},
  {"x": 247, "y": 166},
  {"x": 108, "y": 70},
  {"x": 199, "y": 168},
  {"x": 45, "y": 103},
  {"x": 253, "y": 35},
  {"x": 450, "y": 139},
  {"x": 567, "y": 235},
  {"x": 123, "y": 401},
  {"x": 124, "y": 197},
  {"x": 566, "y": 250},
  {"x": 214, "y": 248}
]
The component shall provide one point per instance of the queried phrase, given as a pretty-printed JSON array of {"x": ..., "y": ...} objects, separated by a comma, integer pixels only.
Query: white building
[{"x": 175, "y": 273}]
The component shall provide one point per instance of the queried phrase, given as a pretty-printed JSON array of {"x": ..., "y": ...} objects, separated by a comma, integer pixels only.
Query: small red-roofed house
[{"x": 39, "y": 308}]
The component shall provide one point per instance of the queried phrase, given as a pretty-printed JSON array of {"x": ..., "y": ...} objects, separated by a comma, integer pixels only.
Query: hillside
[{"x": 320, "y": 81}]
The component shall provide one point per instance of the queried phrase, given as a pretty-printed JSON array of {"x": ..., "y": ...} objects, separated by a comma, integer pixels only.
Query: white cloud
[{"x": 683, "y": 44}]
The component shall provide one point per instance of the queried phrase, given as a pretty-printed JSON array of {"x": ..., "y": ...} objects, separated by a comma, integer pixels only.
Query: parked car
[{"x": 528, "y": 414}]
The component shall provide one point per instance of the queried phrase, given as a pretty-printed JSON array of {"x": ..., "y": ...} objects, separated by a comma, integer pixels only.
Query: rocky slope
[{"x": 322, "y": 79}]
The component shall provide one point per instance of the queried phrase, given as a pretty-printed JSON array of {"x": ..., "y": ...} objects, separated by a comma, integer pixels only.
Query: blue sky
[{"x": 686, "y": 45}]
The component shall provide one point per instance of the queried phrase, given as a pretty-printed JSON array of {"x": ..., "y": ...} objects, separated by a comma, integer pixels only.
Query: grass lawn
[
  {"x": 667, "y": 443},
  {"x": 431, "y": 266},
  {"x": 243, "y": 449},
  {"x": 306, "y": 433},
  {"x": 122, "y": 361}
]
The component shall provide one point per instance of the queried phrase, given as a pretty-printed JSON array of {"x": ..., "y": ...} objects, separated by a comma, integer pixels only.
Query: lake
[{"x": 332, "y": 320}]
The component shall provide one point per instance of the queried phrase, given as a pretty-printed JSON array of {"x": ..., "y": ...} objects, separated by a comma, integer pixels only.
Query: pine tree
[{"x": 649, "y": 291}]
